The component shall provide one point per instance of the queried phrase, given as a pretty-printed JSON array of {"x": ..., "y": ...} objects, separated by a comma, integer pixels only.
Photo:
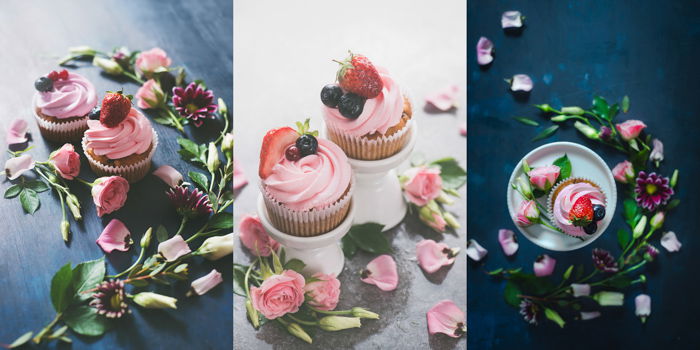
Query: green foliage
[
  {"x": 546, "y": 133},
  {"x": 564, "y": 165},
  {"x": 453, "y": 176},
  {"x": 367, "y": 237}
]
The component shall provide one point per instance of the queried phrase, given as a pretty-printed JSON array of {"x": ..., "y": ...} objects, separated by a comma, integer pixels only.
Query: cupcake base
[
  {"x": 131, "y": 172},
  {"x": 57, "y": 130}
]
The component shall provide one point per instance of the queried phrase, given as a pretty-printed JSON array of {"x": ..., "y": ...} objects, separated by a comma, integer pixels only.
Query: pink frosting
[
  {"x": 379, "y": 114},
  {"x": 132, "y": 136},
  {"x": 73, "y": 97},
  {"x": 314, "y": 181},
  {"x": 565, "y": 201}
]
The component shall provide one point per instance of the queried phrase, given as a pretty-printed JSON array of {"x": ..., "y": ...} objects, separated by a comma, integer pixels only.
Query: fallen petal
[
  {"x": 463, "y": 129},
  {"x": 17, "y": 132},
  {"x": 382, "y": 273},
  {"x": 169, "y": 175},
  {"x": 173, "y": 248},
  {"x": 239, "y": 179},
  {"x": 115, "y": 236},
  {"x": 432, "y": 255},
  {"x": 206, "y": 283},
  {"x": 589, "y": 315},
  {"x": 475, "y": 251},
  {"x": 521, "y": 82},
  {"x": 642, "y": 306},
  {"x": 445, "y": 98},
  {"x": 484, "y": 51},
  {"x": 544, "y": 265},
  {"x": 670, "y": 242},
  {"x": 447, "y": 318},
  {"x": 508, "y": 241},
  {"x": 16, "y": 166},
  {"x": 511, "y": 19}
]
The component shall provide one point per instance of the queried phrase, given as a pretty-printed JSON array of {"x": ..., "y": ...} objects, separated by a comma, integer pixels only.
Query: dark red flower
[
  {"x": 604, "y": 261},
  {"x": 110, "y": 299},
  {"x": 652, "y": 190},
  {"x": 194, "y": 103},
  {"x": 189, "y": 203}
]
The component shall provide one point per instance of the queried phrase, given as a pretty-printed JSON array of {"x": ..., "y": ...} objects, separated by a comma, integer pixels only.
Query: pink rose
[
  {"x": 543, "y": 178},
  {"x": 279, "y": 295},
  {"x": 255, "y": 238},
  {"x": 324, "y": 293},
  {"x": 623, "y": 172},
  {"x": 109, "y": 194},
  {"x": 630, "y": 129},
  {"x": 527, "y": 214},
  {"x": 66, "y": 161},
  {"x": 149, "y": 61},
  {"x": 422, "y": 184},
  {"x": 149, "y": 95}
]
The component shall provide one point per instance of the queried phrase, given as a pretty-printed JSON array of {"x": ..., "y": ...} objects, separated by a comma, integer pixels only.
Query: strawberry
[
  {"x": 274, "y": 145},
  {"x": 581, "y": 214},
  {"x": 358, "y": 75},
  {"x": 115, "y": 108}
]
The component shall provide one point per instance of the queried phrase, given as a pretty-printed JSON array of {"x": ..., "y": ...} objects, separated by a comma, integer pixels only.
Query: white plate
[{"x": 584, "y": 163}]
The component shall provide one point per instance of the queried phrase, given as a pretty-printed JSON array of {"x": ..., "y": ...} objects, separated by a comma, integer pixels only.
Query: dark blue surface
[
  {"x": 573, "y": 50},
  {"x": 196, "y": 35}
]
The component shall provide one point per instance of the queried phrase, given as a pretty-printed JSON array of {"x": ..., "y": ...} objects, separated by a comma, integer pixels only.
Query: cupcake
[
  {"x": 306, "y": 181},
  {"x": 576, "y": 205},
  {"x": 61, "y": 105},
  {"x": 119, "y": 139},
  {"x": 366, "y": 114}
]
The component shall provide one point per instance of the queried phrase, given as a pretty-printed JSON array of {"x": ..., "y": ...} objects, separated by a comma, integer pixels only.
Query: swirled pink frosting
[
  {"x": 565, "y": 201},
  {"x": 379, "y": 114},
  {"x": 72, "y": 97},
  {"x": 314, "y": 181},
  {"x": 132, "y": 136}
]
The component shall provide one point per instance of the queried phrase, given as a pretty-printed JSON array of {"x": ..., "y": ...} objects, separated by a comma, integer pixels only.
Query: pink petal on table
[
  {"x": 508, "y": 241},
  {"x": 544, "y": 265},
  {"x": 16, "y": 166},
  {"x": 382, "y": 273},
  {"x": 521, "y": 82},
  {"x": 463, "y": 129},
  {"x": 511, "y": 19},
  {"x": 447, "y": 318},
  {"x": 589, "y": 315},
  {"x": 17, "y": 132},
  {"x": 169, "y": 175},
  {"x": 642, "y": 306},
  {"x": 115, "y": 236},
  {"x": 239, "y": 179},
  {"x": 432, "y": 255},
  {"x": 206, "y": 283},
  {"x": 670, "y": 242},
  {"x": 484, "y": 51},
  {"x": 445, "y": 98},
  {"x": 475, "y": 251},
  {"x": 173, "y": 248}
]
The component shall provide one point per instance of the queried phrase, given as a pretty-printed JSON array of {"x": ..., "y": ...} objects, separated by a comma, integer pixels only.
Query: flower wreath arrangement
[{"x": 86, "y": 299}]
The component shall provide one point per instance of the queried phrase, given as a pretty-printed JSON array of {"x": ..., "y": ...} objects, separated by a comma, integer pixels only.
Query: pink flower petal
[
  {"x": 17, "y": 132},
  {"x": 463, "y": 129},
  {"x": 239, "y": 179},
  {"x": 169, "y": 175},
  {"x": 432, "y": 255},
  {"x": 382, "y": 273},
  {"x": 544, "y": 265},
  {"x": 670, "y": 242},
  {"x": 254, "y": 237},
  {"x": 475, "y": 251},
  {"x": 508, "y": 241},
  {"x": 484, "y": 51},
  {"x": 642, "y": 306},
  {"x": 521, "y": 82},
  {"x": 511, "y": 19},
  {"x": 580, "y": 290},
  {"x": 445, "y": 98},
  {"x": 173, "y": 248},
  {"x": 16, "y": 166},
  {"x": 206, "y": 283},
  {"x": 115, "y": 236},
  {"x": 589, "y": 315},
  {"x": 447, "y": 318}
]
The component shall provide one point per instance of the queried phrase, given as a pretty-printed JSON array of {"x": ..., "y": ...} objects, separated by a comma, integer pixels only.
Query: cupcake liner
[
  {"x": 132, "y": 173},
  {"x": 363, "y": 148},
  {"x": 556, "y": 188},
  {"x": 308, "y": 223},
  {"x": 69, "y": 131}
]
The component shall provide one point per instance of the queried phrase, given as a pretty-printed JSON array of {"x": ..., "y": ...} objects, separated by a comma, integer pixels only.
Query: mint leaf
[
  {"x": 87, "y": 275},
  {"x": 554, "y": 317},
  {"x": 23, "y": 339},
  {"x": 85, "y": 320},
  {"x": 37, "y": 185},
  {"x": 294, "y": 264},
  {"x": 369, "y": 237},
  {"x": 61, "y": 288},
  {"x": 29, "y": 200},
  {"x": 349, "y": 246},
  {"x": 13, "y": 191},
  {"x": 200, "y": 179},
  {"x": 625, "y": 104},
  {"x": 564, "y": 165},
  {"x": 453, "y": 176},
  {"x": 222, "y": 221},
  {"x": 546, "y": 133},
  {"x": 162, "y": 234},
  {"x": 526, "y": 121},
  {"x": 511, "y": 294}
]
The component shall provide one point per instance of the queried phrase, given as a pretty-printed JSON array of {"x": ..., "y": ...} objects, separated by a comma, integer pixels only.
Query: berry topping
[
  {"x": 358, "y": 75},
  {"x": 307, "y": 144},
  {"x": 590, "y": 228},
  {"x": 43, "y": 84},
  {"x": 53, "y": 75},
  {"x": 330, "y": 95},
  {"x": 292, "y": 153},
  {"x": 581, "y": 213},
  {"x": 274, "y": 146},
  {"x": 63, "y": 75},
  {"x": 598, "y": 212},
  {"x": 115, "y": 108},
  {"x": 351, "y": 105},
  {"x": 94, "y": 113}
]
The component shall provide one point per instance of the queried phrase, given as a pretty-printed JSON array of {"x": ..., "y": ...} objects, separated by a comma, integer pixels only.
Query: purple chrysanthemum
[
  {"x": 652, "y": 190},
  {"x": 604, "y": 261},
  {"x": 189, "y": 203},
  {"x": 529, "y": 311},
  {"x": 194, "y": 103},
  {"x": 605, "y": 133},
  {"x": 110, "y": 299},
  {"x": 650, "y": 252}
]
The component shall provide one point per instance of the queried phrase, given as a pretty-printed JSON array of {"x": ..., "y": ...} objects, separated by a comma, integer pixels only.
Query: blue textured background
[{"x": 573, "y": 50}]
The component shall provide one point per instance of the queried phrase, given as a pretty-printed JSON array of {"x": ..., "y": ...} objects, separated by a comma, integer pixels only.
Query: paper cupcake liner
[
  {"x": 132, "y": 173},
  {"x": 555, "y": 189},
  {"x": 363, "y": 148},
  {"x": 308, "y": 223},
  {"x": 70, "y": 131}
]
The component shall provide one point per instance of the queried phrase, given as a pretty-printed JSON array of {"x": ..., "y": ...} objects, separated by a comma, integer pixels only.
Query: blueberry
[
  {"x": 351, "y": 105},
  {"x": 307, "y": 144},
  {"x": 598, "y": 212},
  {"x": 330, "y": 95},
  {"x": 43, "y": 84},
  {"x": 94, "y": 113},
  {"x": 591, "y": 228},
  {"x": 292, "y": 153}
]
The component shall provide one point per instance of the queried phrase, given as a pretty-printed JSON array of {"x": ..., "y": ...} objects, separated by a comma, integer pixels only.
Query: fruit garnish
[
  {"x": 590, "y": 228},
  {"x": 63, "y": 75},
  {"x": 94, "y": 113},
  {"x": 115, "y": 108},
  {"x": 581, "y": 214},
  {"x": 351, "y": 105},
  {"x": 598, "y": 212},
  {"x": 53, "y": 75},
  {"x": 274, "y": 146},
  {"x": 330, "y": 95},
  {"x": 292, "y": 153},
  {"x": 307, "y": 145},
  {"x": 358, "y": 75},
  {"x": 43, "y": 84}
]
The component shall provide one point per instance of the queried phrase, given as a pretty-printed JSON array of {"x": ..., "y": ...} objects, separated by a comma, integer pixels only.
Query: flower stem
[
  {"x": 182, "y": 226},
  {"x": 198, "y": 233},
  {"x": 133, "y": 266},
  {"x": 133, "y": 77},
  {"x": 335, "y": 312},
  {"x": 175, "y": 119},
  {"x": 38, "y": 337},
  {"x": 300, "y": 321},
  {"x": 83, "y": 181}
]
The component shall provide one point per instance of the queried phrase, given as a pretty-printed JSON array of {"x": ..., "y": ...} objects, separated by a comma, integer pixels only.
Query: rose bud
[
  {"x": 605, "y": 298},
  {"x": 66, "y": 161},
  {"x": 216, "y": 247},
  {"x": 527, "y": 214},
  {"x": 543, "y": 178},
  {"x": 108, "y": 66},
  {"x": 630, "y": 129},
  {"x": 623, "y": 172},
  {"x": 338, "y": 323},
  {"x": 587, "y": 130}
]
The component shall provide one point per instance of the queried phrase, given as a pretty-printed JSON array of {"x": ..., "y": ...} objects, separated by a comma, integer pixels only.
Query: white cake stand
[{"x": 320, "y": 253}]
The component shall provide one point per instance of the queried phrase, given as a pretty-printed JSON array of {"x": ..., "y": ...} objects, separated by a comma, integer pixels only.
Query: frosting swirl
[
  {"x": 72, "y": 97},
  {"x": 565, "y": 201},
  {"x": 379, "y": 114},
  {"x": 132, "y": 136},
  {"x": 315, "y": 181}
]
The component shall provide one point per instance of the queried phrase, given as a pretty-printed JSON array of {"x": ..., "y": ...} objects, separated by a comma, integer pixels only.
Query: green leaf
[
  {"x": 630, "y": 212},
  {"x": 163, "y": 120},
  {"x": 672, "y": 204},
  {"x": 222, "y": 221},
  {"x": 614, "y": 110},
  {"x": 601, "y": 107},
  {"x": 511, "y": 294},
  {"x": 239, "y": 279},
  {"x": 188, "y": 145},
  {"x": 200, "y": 179},
  {"x": 564, "y": 165},
  {"x": 349, "y": 246},
  {"x": 369, "y": 237},
  {"x": 623, "y": 238},
  {"x": 29, "y": 200},
  {"x": 546, "y": 133},
  {"x": 567, "y": 274},
  {"x": 625, "y": 104},
  {"x": 13, "y": 191},
  {"x": 294, "y": 264},
  {"x": 619, "y": 281},
  {"x": 59, "y": 332},
  {"x": 495, "y": 272},
  {"x": 526, "y": 121},
  {"x": 23, "y": 339},
  {"x": 453, "y": 176},
  {"x": 87, "y": 275},
  {"x": 162, "y": 234},
  {"x": 531, "y": 284},
  {"x": 85, "y": 320},
  {"x": 554, "y": 317},
  {"x": 37, "y": 185},
  {"x": 61, "y": 288}
]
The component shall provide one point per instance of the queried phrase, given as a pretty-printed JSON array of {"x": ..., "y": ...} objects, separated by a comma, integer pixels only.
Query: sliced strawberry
[
  {"x": 115, "y": 108},
  {"x": 275, "y": 143},
  {"x": 581, "y": 214}
]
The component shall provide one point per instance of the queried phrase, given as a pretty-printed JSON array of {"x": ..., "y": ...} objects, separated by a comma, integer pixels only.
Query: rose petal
[
  {"x": 580, "y": 290},
  {"x": 447, "y": 318},
  {"x": 382, "y": 273},
  {"x": 670, "y": 242},
  {"x": 206, "y": 283},
  {"x": 115, "y": 236},
  {"x": 589, "y": 315},
  {"x": 544, "y": 265},
  {"x": 511, "y": 19},
  {"x": 508, "y": 241},
  {"x": 463, "y": 129},
  {"x": 173, "y": 248},
  {"x": 255, "y": 238},
  {"x": 484, "y": 51},
  {"x": 169, "y": 175},
  {"x": 475, "y": 251},
  {"x": 16, "y": 166},
  {"x": 432, "y": 255},
  {"x": 642, "y": 305},
  {"x": 445, "y": 98},
  {"x": 239, "y": 179},
  {"x": 17, "y": 132},
  {"x": 521, "y": 82}
]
